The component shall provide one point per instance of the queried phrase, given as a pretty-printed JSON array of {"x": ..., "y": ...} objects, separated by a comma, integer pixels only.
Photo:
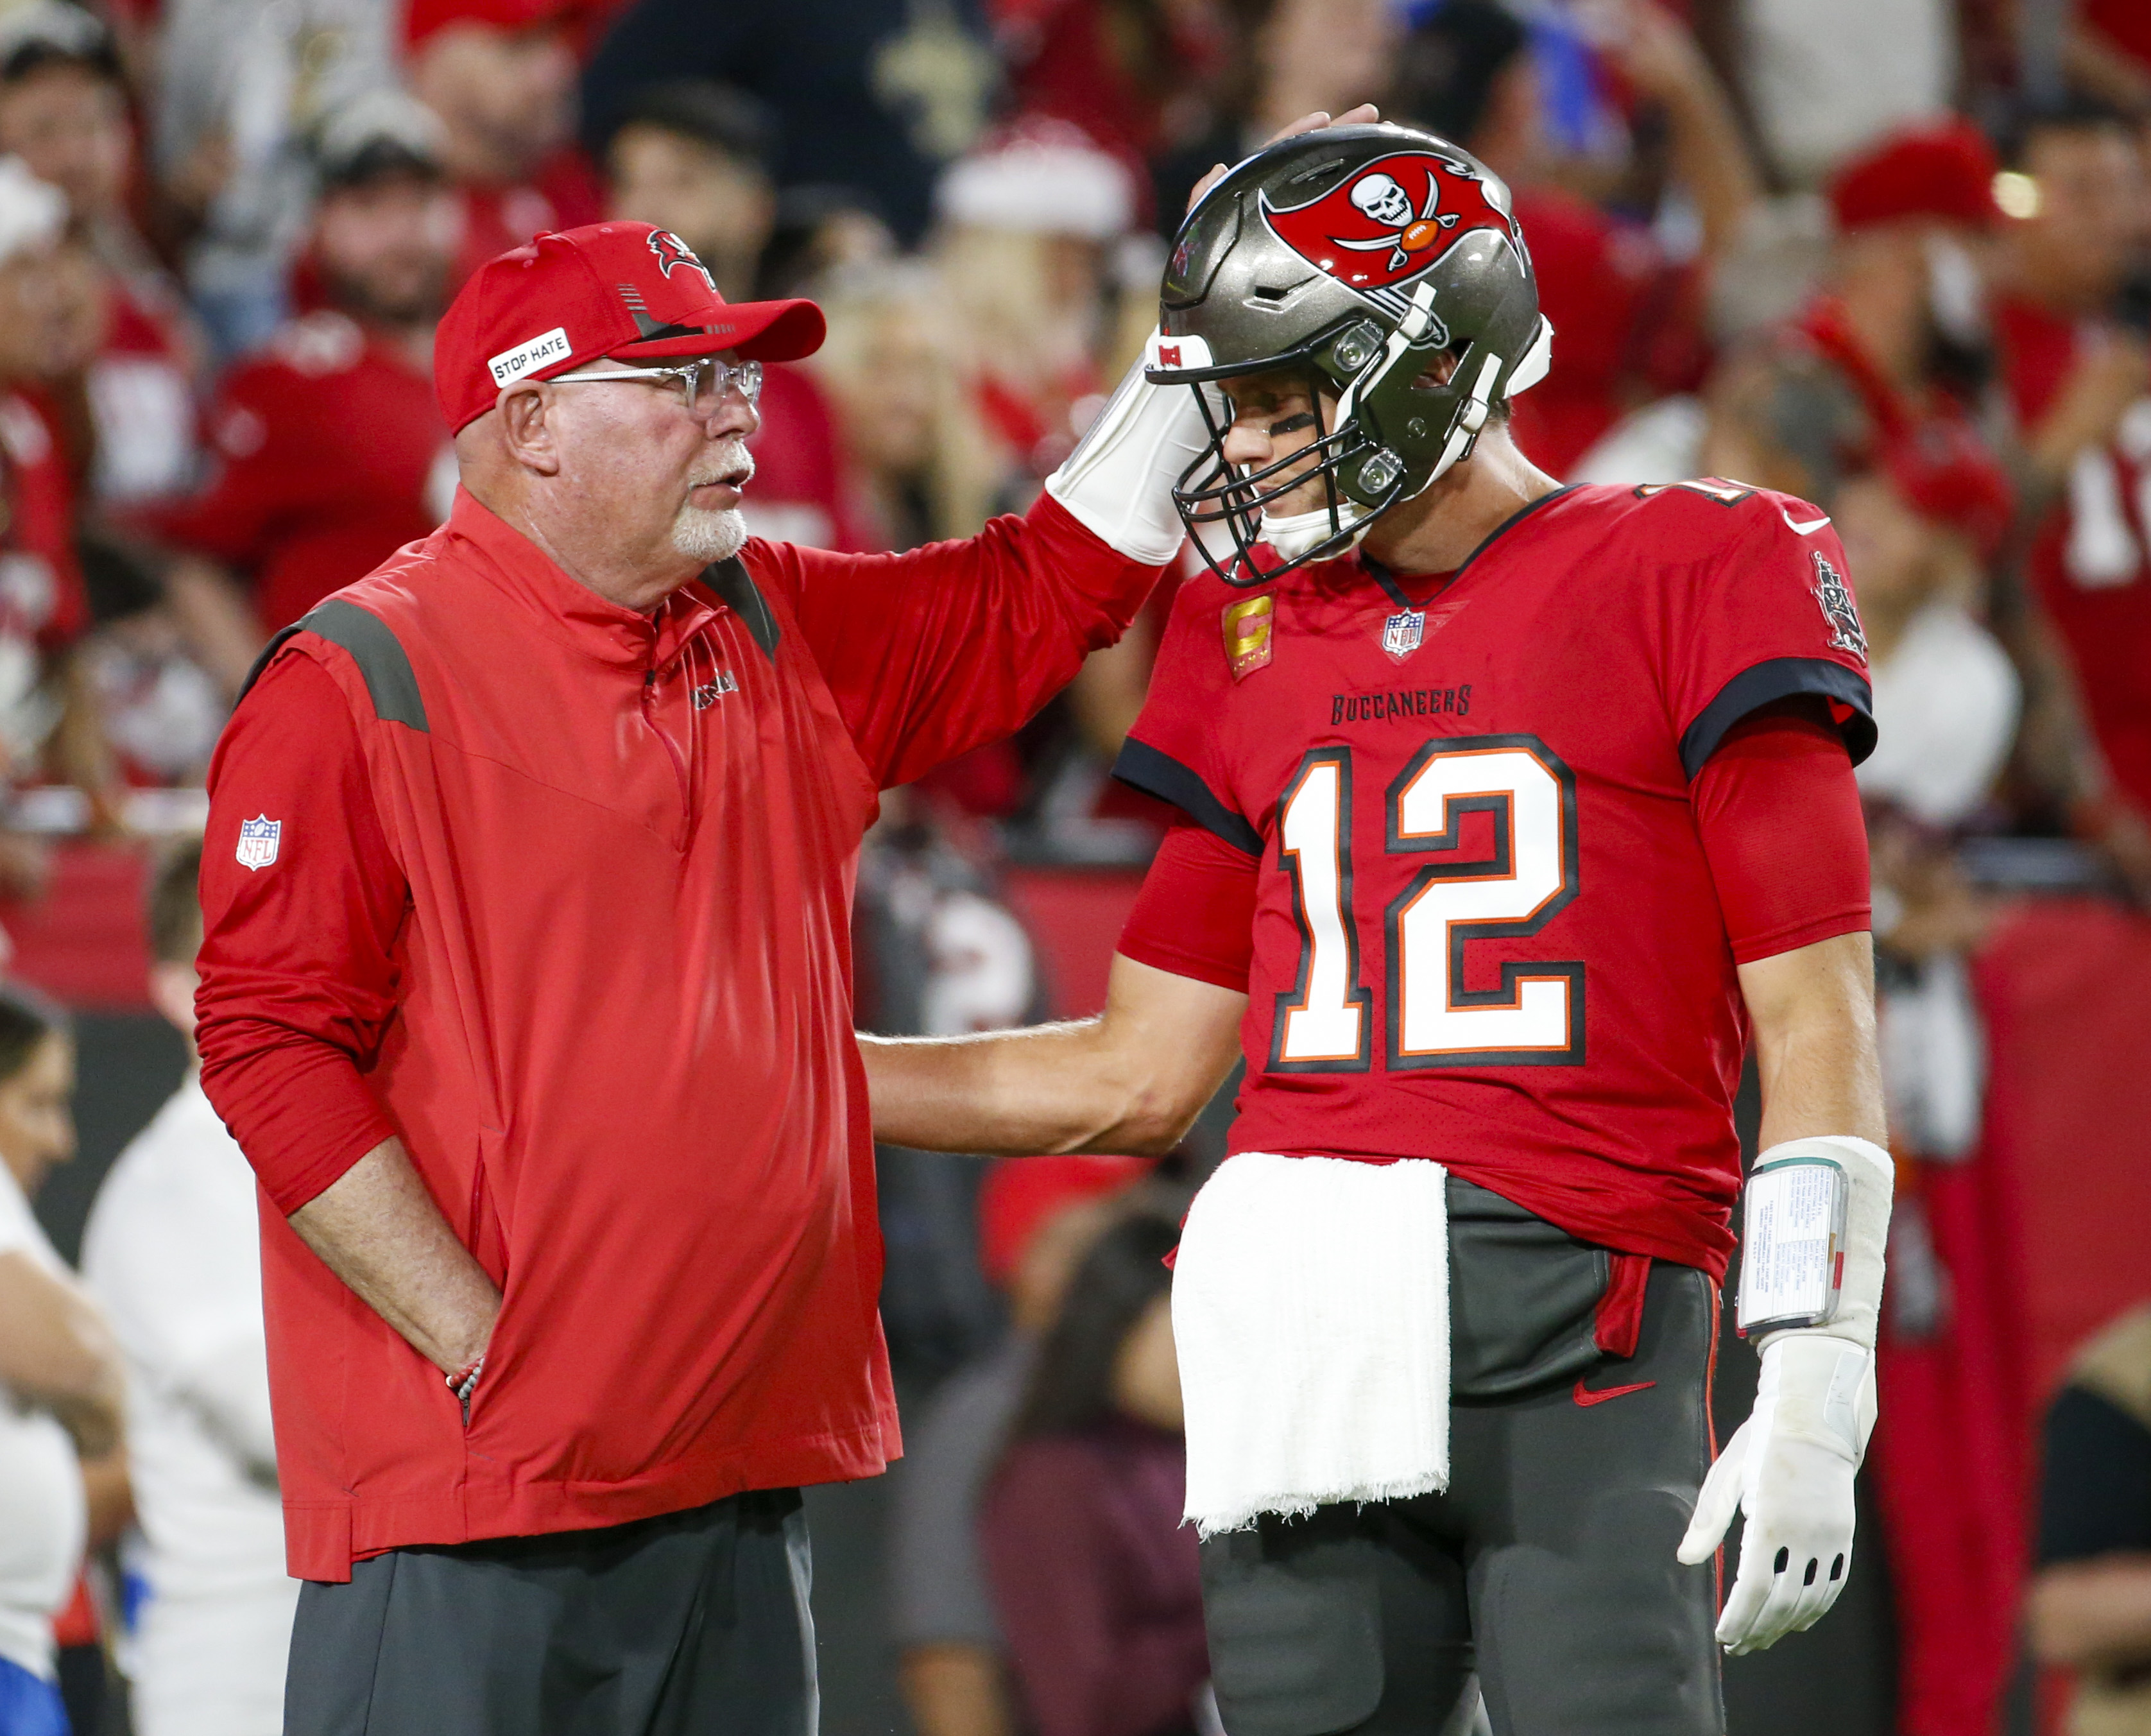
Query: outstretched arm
[
  {"x": 1131, "y": 1080},
  {"x": 1710, "y": 156}
]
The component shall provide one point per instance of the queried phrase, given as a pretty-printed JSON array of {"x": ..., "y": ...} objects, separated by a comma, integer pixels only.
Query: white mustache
[{"x": 732, "y": 459}]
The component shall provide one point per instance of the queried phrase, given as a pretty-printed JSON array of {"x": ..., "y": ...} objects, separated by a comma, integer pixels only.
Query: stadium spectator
[
  {"x": 500, "y": 75},
  {"x": 918, "y": 465},
  {"x": 1021, "y": 254},
  {"x": 1096, "y": 1581},
  {"x": 146, "y": 667},
  {"x": 1857, "y": 386},
  {"x": 2090, "y": 1604},
  {"x": 295, "y": 502},
  {"x": 820, "y": 234},
  {"x": 690, "y": 159},
  {"x": 2070, "y": 321},
  {"x": 64, "y": 111},
  {"x": 173, "y": 1253},
  {"x": 240, "y": 88},
  {"x": 1037, "y": 1217},
  {"x": 1626, "y": 313},
  {"x": 871, "y": 97},
  {"x": 49, "y": 722},
  {"x": 693, "y": 157},
  {"x": 63, "y": 1470}
]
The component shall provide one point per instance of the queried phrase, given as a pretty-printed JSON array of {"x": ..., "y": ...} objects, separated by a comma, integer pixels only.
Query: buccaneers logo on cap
[
  {"x": 671, "y": 250},
  {"x": 1393, "y": 219}
]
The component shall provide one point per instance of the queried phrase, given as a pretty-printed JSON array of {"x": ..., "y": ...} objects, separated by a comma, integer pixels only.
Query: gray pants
[
  {"x": 690, "y": 1624},
  {"x": 1547, "y": 1568}
]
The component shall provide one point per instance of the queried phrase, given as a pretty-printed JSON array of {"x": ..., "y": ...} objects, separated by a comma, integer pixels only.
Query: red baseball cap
[
  {"x": 424, "y": 18},
  {"x": 623, "y": 289},
  {"x": 1943, "y": 168}
]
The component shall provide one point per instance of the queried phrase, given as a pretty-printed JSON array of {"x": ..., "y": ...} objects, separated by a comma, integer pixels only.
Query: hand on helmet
[{"x": 1365, "y": 115}]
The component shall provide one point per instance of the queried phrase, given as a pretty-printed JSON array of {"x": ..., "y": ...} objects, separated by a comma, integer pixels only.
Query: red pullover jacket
[{"x": 559, "y": 893}]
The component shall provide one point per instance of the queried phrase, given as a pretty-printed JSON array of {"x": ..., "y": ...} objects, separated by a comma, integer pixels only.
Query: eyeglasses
[{"x": 703, "y": 384}]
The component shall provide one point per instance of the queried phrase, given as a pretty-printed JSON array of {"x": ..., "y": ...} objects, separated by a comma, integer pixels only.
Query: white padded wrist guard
[
  {"x": 1118, "y": 481},
  {"x": 1869, "y": 1178}
]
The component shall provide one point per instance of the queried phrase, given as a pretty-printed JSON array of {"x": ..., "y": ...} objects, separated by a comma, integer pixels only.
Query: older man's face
[{"x": 661, "y": 477}]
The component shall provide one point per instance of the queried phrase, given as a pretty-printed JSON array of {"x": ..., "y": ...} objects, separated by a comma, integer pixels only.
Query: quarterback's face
[{"x": 1273, "y": 417}]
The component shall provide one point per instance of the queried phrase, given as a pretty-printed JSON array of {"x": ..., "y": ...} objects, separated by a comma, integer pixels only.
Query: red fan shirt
[
  {"x": 2090, "y": 564},
  {"x": 42, "y": 605},
  {"x": 1487, "y": 930},
  {"x": 142, "y": 395},
  {"x": 297, "y": 498}
]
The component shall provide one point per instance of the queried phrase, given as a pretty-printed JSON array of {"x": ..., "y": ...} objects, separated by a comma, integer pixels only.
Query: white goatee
[{"x": 699, "y": 533}]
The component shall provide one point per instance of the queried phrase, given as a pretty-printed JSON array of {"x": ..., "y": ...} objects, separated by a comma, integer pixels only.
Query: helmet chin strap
[{"x": 1294, "y": 534}]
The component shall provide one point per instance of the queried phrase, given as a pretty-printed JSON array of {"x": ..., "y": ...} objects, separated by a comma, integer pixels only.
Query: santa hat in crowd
[
  {"x": 426, "y": 18},
  {"x": 1040, "y": 177},
  {"x": 31, "y": 214},
  {"x": 1942, "y": 170}
]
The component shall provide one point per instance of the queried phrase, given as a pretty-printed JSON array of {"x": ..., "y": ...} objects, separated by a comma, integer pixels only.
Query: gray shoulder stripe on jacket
[
  {"x": 373, "y": 646},
  {"x": 730, "y": 581}
]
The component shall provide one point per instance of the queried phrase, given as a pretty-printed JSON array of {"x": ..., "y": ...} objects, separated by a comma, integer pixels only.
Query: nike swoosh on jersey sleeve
[{"x": 1803, "y": 527}]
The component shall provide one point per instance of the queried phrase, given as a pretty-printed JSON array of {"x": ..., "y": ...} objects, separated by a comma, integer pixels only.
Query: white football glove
[{"x": 1789, "y": 1468}]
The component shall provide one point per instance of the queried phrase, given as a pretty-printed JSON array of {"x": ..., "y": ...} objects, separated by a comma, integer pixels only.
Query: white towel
[{"x": 1310, "y": 1308}]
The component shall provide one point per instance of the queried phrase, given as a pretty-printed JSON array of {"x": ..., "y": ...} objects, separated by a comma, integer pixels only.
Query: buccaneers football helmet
[{"x": 1357, "y": 255}]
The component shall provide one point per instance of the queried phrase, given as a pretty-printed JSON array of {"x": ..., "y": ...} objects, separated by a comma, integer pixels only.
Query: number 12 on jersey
[{"x": 1534, "y": 1017}]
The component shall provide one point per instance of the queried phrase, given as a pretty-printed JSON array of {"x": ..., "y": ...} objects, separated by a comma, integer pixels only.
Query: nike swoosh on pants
[{"x": 1584, "y": 1395}]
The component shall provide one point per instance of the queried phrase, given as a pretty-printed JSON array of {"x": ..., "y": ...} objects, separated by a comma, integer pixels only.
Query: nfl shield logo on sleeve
[
  {"x": 257, "y": 841},
  {"x": 1402, "y": 632}
]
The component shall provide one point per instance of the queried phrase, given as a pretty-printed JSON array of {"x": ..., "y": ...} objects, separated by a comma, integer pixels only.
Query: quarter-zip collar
[{"x": 609, "y": 631}]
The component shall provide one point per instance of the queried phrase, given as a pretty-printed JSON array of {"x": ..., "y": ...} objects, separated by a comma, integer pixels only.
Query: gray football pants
[
  {"x": 690, "y": 1624},
  {"x": 1547, "y": 1568}
]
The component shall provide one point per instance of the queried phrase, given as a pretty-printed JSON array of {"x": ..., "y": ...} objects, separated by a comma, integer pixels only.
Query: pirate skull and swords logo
[{"x": 1389, "y": 221}]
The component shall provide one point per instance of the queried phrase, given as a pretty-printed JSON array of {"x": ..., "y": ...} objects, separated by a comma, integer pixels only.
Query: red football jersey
[
  {"x": 1486, "y": 932},
  {"x": 2091, "y": 561},
  {"x": 330, "y": 455}
]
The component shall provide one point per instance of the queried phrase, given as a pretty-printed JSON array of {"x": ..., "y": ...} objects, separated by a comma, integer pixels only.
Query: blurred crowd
[{"x": 1891, "y": 257}]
